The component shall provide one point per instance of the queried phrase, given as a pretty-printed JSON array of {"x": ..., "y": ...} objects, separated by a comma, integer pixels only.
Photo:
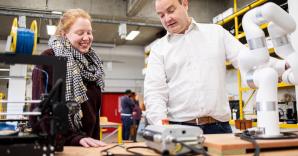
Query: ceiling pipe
[{"x": 49, "y": 15}]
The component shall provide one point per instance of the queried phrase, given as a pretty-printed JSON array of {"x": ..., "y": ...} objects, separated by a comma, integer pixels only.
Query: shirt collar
[{"x": 193, "y": 26}]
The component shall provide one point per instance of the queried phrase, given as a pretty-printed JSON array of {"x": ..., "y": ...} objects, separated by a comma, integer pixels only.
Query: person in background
[
  {"x": 136, "y": 115},
  {"x": 84, "y": 77},
  {"x": 126, "y": 113},
  {"x": 185, "y": 79}
]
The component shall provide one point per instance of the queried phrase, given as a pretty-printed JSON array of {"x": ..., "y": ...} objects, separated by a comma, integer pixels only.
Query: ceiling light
[
  {"x": 57, "y": 12},
  {"x": 132, "y": 35},
  {"x": 51, "y": 29}
]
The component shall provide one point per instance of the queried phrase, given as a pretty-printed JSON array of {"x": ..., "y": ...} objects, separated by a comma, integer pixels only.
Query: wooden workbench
[{"x": 217, "y": 144}]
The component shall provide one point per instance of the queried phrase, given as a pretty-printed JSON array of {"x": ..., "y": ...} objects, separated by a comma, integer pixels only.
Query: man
[
  {"x": 185, "y": 79},
  {"x": 126, "y": 114}
]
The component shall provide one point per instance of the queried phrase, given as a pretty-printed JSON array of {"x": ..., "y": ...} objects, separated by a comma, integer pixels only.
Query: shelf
[
  {"x": 283, "y": 125},
  {"x": 245, "y": 89},
  {"x": 283, "y": 84}
]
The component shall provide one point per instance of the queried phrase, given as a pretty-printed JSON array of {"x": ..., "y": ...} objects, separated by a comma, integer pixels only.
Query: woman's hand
[{"x": 90, "y": 142}]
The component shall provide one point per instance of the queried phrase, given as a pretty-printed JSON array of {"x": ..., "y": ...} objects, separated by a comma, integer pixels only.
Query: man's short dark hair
[{"x": 128, "y": 91}]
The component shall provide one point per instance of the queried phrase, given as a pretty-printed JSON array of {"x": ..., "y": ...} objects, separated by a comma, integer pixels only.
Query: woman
[{"x": 84, "y": 77}]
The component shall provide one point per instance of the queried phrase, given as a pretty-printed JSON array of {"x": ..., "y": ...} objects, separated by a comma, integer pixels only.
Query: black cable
[
  {"x": 106, "y": 151},
  {"x": 247, "y": 137},
  {"x": 56, "y": 88},
  {"x": 128, "y": 149},
  {"x": 192, "y": 149}
]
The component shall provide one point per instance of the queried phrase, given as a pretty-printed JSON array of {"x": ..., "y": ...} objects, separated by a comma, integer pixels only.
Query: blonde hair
[{"x": 68, "y": 18}]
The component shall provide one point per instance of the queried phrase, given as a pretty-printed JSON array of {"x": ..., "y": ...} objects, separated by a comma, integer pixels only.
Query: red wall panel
[{"x": 109, "y": 106}]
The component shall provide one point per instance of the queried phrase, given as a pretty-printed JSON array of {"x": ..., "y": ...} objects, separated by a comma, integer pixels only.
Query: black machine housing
[{"x": 53, "y": 112}]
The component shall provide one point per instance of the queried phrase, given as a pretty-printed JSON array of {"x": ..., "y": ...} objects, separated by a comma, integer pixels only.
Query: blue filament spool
[{"x": 25, "y": 41}]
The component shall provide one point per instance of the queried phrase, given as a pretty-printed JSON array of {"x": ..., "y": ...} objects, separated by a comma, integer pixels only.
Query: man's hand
[{"x": 90, "y": 142}]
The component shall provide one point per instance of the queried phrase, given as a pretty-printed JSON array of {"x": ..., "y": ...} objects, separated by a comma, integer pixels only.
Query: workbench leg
[
  {"x": 120, "y": 134},
  {"x": 100, "y": 134}
]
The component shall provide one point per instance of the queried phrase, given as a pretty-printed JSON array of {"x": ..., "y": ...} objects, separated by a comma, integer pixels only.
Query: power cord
[
  {"x": 128, "y": 149},
  {"x": 107, "y": 152},
  {"x": 247, "y": 137}
]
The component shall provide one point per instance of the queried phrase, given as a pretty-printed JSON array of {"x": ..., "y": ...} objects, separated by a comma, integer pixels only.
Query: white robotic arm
[
  {"x": 254, "y": 63},
  {"x": 278, "y": 32}
]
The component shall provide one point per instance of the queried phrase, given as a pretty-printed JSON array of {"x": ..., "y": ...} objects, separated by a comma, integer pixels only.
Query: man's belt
[{"x": 198, "y": 121}]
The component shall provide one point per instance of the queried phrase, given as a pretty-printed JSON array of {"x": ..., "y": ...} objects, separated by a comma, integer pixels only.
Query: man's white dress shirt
[{"x": 185, "y": 76}]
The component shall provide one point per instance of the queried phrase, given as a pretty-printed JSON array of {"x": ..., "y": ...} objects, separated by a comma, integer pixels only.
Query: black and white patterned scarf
[{"x": 87, "y": 67}]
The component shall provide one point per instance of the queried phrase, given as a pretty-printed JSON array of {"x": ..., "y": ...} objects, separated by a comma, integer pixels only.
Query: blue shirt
[{"x": 126, "y": 105}]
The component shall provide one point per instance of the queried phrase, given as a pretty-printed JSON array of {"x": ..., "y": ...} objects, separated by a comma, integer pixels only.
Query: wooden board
[{"x": 228, "y": 144}]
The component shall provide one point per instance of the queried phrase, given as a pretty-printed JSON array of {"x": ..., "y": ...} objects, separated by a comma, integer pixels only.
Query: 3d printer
[{"x": 51, "y": 112}]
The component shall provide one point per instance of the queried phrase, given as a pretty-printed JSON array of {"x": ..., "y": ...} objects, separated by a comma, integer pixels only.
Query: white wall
[{"x": 127, "y": 71}]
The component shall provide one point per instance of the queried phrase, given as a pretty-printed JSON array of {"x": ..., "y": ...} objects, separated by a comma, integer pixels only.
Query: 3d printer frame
[{"x": 40, "y": 144}]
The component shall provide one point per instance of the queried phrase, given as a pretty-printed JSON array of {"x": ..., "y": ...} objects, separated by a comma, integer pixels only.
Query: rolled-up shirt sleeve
[{"x": 155, "y": 88}]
